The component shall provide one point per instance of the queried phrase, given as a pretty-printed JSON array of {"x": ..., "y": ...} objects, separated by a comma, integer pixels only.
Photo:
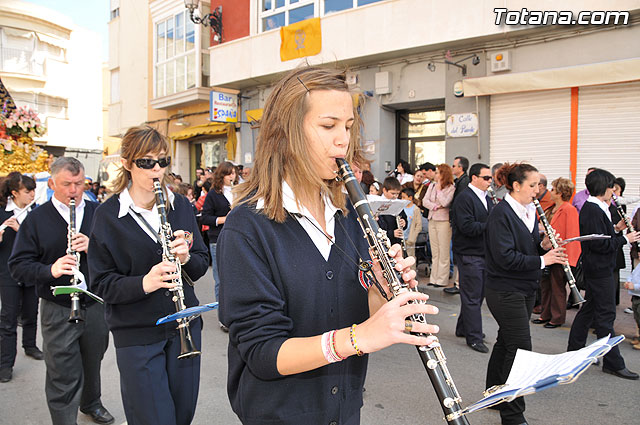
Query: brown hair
[
  {"x": 508, "y": 174},
  {"x": 282, "y": 148},
  {"x": 446, "y": 175},
  {"x": 564, "y": 187},
  {"x": 223, "y": 170},
  {"x": 136, "y": 143},
  {"x": 14, "y": 181}
]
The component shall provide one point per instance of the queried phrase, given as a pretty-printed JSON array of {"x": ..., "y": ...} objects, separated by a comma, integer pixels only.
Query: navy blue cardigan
[
  {"x": 41, "y": 240},
  {"x": 598, "y": 256},
  {"x": 6, "y": 246},
  {"x": 512, "y": 252},
  {"x": 275, "y": 285},
  {"x": 121, "y": 254},
  {"x": 469, "y": 218},
  {"x": 215, "y": 205}
]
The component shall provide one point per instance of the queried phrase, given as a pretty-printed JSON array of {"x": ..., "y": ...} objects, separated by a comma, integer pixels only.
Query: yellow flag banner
[{"x": 300, "y": 39}]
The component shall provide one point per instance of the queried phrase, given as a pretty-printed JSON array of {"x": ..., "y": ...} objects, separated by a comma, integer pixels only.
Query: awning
[
  {"x": 202, "y": 129},
  {"x": 557, "y": 78},
  {"x": 212, "y": 128}
]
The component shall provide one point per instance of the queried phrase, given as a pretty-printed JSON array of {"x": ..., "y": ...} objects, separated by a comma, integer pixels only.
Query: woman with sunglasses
[
  {"x": 125, "y": 262},
  {"x": 217, "y": 205}
]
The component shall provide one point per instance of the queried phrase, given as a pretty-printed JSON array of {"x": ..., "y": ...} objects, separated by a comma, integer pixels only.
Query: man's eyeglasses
[
  {"x": 486, "y": 178},
  {"x": 149, "y": 163}
]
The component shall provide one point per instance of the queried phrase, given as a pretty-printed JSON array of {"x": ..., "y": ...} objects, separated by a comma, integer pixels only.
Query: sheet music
[
  {"x": 592, "y": 237},
  {"x": 383, "y": 206}
]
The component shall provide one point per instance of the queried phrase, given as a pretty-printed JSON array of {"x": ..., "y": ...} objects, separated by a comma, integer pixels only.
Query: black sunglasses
[
  {"x": 149, "y": 163},
  {"x": 486, "y": 178}
]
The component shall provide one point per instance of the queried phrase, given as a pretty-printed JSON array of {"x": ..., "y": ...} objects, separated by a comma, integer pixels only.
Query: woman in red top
[{"x": 563, "y": 217}]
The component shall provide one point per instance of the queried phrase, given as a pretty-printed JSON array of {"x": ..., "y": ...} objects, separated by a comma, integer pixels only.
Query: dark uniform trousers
[
  {"x": 512, "y": 311},
  {"x": 471, "y": 272},
  {"x": 73, "y": 354},
  {"x": 598, "y": 311},
  {"x": 156, "y": 387},
  {"x": 17, "y": 300}
]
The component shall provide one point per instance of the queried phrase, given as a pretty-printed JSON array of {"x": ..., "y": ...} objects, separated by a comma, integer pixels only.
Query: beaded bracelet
[
  {"x": 334, "y": 351},
  {"x": 352, "y": 336}
]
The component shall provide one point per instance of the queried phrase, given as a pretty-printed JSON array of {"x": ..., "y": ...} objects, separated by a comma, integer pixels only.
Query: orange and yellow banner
[{"x": 300, "y": 39}]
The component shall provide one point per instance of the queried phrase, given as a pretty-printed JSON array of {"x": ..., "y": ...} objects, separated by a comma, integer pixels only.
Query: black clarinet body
[
  {"x": 74, "y": 315},
  {"x": 432, "y": 356},
  {"x": 576, "y": 296},
  {"x": 187, "y": 346},
  {"x": 624, "y": 215}
]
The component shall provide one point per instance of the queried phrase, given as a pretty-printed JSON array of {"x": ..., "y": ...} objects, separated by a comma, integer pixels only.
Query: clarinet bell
[
  {"x": 187, "y": 347},
  {"x": 75, "y": 316}
]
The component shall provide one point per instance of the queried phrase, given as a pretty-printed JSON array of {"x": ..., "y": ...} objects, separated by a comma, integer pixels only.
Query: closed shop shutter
[
  {"x": 532, "y": 127},
  {"x": 609, "y": 137}
]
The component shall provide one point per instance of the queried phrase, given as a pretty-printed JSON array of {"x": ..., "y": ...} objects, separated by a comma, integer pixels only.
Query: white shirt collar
[
  {"x": 603, "y": 205},
  {"x": 482, "y": 194},
  {"x": 17, "y": 211},
  {"x": 526, "y": 213},
  {"x": 64, "y": 210},
  {"x": 307, "y": 221},
  {"x": 126, "y": 200}
]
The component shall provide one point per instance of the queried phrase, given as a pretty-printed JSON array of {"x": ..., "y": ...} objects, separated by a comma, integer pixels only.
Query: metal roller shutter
[
  {"x": 532, "y": 127},
  {"x": 609, "y": 137}
]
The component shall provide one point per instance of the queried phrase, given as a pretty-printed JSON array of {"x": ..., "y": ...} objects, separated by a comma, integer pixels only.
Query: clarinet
[
  {"x": 432, "y": 356},
  {"x": 402, "y": 241},
  {"x": 578, "y": 299},
  {"x": 74, "y": 315},
  {"x": 623, "y": 214},
  {"x": 492, "y": 195},
  {"x": 187, "y": 347}
]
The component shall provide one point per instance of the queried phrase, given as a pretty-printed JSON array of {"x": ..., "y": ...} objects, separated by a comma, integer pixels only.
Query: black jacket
[
  {"x": 598, "y": 256},
  {"x": 470, "y": 222},
  {"x": 42, "y": 239},
  {"x": 512, "y": 252},
  {"x": 215, "y": 205}
]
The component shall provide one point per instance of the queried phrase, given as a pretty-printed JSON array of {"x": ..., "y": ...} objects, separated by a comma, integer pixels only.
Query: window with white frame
[
  {"x": 175, "y": 55},
  {"x": 278, "y": 13}
]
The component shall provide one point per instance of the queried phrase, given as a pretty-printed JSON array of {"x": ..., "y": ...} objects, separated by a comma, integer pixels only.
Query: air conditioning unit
[{"x": 501, "y": 61}]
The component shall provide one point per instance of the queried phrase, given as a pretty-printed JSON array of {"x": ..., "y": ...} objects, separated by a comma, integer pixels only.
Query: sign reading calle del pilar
[{"x": 462, "y": 125}]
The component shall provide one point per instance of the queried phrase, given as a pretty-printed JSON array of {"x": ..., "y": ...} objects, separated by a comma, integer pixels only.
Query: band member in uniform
[
  {"x": 73, "y": 352},
  {"x": 18, "y": 298},
  {"x": 599, "y": 261},
  {"x": 290, "y": 294},
  {"x": 125, "y": 261},
  {"x": 514, "y": 261},
  {"x": 473, "y": 206}
]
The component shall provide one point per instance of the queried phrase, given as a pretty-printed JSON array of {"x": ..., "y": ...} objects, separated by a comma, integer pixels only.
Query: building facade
[{"x": 52, "y": 66}]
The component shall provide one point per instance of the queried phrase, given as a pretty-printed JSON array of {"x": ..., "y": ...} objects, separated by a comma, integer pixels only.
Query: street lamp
[{"x": 213, "y": 19}]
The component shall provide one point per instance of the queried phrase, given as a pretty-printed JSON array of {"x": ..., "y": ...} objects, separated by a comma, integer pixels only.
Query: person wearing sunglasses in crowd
[{"x": 128, "y": 272}]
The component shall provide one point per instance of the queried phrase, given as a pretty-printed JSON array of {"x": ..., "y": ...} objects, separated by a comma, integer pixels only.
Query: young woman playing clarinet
[
  {"x": 300, "y": 321},
  {"x": 128, "y": 271},
  {"x": 515, "y": 258},
  {"x": 18, "y": 298}
]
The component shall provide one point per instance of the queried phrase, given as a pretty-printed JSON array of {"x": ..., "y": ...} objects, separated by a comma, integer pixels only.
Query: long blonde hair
[
  {"x": 137, "y": 142},
  {"x": 282, "y": 149}
]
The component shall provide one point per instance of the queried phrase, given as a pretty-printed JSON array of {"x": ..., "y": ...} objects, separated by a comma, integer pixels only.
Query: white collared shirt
[
  {"x": 482, "y": 194},
  {"x": 17, "y": 211},
  {"x": 64, "y": 211},
  {"x": 603, "y": 205},
  {"x": 527, "y": 214},
  {"x": 308, "y": 222},
  {"x": 151, "y": 216},
  {"x": 226, "y": 191}
]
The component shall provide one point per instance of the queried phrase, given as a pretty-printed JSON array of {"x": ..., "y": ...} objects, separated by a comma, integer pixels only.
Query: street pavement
[{"x": 398, "y": 391}]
